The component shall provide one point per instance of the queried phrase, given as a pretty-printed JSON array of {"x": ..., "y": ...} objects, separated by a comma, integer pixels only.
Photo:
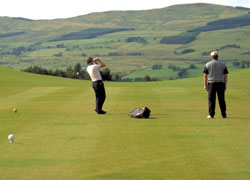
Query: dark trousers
[
  {"x": 100, "y": 94},
  {"x": 219, "y": 89}
]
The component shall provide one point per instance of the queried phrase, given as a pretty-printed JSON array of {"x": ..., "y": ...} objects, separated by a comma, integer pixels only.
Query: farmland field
[{"x": 58, "y": 135}]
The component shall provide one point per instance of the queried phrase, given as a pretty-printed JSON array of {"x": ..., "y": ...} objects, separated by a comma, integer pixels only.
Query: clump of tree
[
  {"x": 242, "y": 65},
  {"x": 134, "y": 54},
  {"x": 38, "y": 70},
  {"x": 183, "y": 38},
  {"x": 75, "y": 72},
  {"x": 61, "y": 46},
  {"x": 205, "y": 53},
  {"x": 174, "y": 68},
  {"x": 84, "y": 55},
  {"x": 156, "y": 67},
  {"x": 136, "y": 39},
  {"x": 140, "y": 79},
  {"x": 192, "y": 66},
  {"x": 114, "y": 54},
  {"x": 58, "y": 54},
  {"x": 21, "y": 49},
  {"x": 116, "y": 77},
  {"x": 185, "y": 51},
  {"x": 106, "y": 74},
  {"x": 236, "y": 64},
  {"x": 182, "y": 72},
  {"x": 230, "y": 46},
  {"x": 128, "y": 54},
  {"x": 16, "y": 52},
  {"x": 222, "y": 48},
  {"x": 246, "y": 53}
]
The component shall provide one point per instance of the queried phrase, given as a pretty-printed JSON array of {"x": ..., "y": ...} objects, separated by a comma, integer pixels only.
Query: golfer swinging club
[
  {"x": 93, "y": 69},
  {"x": 215, "y": 82}
]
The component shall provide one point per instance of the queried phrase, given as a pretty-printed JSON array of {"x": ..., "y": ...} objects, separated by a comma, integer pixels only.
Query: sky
[{"x": 54, "y": 9}]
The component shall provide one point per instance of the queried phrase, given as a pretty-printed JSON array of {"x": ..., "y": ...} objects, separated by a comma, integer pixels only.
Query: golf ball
[
  {"x": 11, "y": 138},
  {"x": 15, "y": 110}
]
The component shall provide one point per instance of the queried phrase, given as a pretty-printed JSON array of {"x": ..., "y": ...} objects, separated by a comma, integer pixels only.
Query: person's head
[
  {"x": 214, "y": 55},
  {"x": 89, "y": 60}
]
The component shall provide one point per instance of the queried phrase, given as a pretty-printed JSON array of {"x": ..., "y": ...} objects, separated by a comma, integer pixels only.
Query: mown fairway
[{"x": 58, "y": 135}]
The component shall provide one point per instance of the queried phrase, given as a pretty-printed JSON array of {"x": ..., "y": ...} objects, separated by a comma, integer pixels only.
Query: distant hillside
[
  {"x": 227, "y": 23},
  {"x": 190, "y": 35},
  {"x": 178, "y": 17},
  {"x": 189, "y": 15},
  {"x": 131, "y": 41}
]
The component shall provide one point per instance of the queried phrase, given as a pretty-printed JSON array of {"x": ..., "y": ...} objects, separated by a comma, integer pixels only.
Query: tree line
[{"x": 75, "y": 72}]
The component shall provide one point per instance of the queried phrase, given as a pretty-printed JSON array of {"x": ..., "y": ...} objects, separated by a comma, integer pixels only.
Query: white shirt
[{"x": 94, "y": 72}]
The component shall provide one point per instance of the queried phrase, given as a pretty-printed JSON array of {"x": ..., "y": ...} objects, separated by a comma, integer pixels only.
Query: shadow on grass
[{"x": 124, "y": 114}]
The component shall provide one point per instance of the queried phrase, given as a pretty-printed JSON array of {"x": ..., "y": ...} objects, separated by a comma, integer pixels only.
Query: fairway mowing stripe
[
  {"x": 170, "y": 89},
  {"x": 14, "y": 100}
]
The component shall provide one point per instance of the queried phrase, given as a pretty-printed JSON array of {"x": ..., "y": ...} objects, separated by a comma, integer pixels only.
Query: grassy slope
[
  {"x": 201, "y": 12},
  {"x": 173, "y": 18},
  {"x": 150, "y": 24},
  {"x": 58, "y": 135}
]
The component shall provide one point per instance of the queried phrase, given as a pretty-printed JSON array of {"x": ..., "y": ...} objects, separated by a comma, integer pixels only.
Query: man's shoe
[
  {"x": 100, "y": 112},
  {"x": 210, "y": 117},
  {"x": 224, "y": 116}
]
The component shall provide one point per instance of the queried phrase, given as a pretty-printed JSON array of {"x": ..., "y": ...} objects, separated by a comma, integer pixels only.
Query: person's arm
[
  {"x": 100, "y": 62},
  {"x": 225, "y": 77},
  {"x": 225, "y": 80},
  {"x": 205, "y": 71},
  {"x": 205, "y": 81}
]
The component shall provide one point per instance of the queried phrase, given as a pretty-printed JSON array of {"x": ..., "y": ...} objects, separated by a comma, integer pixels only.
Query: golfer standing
[
  {"x": 215, "y": 82},
  {"x": 93, "y": 69}
]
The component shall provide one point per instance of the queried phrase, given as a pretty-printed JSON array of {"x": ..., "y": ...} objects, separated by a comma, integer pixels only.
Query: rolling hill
[{"x": 180, "y": 35}]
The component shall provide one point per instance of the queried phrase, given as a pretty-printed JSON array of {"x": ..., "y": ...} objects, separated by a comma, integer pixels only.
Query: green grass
[
  {"x": 58, "y": 135},
  {"x": 163, "y": 73}
]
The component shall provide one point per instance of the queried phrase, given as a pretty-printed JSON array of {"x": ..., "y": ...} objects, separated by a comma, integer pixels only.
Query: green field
[
  {"x": 167, "y": 74},
  {"x": 58, "y": 135}
]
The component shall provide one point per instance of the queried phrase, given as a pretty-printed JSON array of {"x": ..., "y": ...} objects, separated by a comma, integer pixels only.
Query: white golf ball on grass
[{"x": 11, "y": 138}]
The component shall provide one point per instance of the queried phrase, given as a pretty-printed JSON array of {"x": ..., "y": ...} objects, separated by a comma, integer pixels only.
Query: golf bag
[{"x": 140, "y": 113}]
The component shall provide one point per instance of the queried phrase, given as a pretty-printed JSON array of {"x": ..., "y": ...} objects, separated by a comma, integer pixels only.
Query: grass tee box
[{"x": 59, "y": 136}]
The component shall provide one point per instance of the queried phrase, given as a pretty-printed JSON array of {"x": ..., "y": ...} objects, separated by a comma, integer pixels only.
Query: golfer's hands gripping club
[{"x": 98, "y": 61}]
